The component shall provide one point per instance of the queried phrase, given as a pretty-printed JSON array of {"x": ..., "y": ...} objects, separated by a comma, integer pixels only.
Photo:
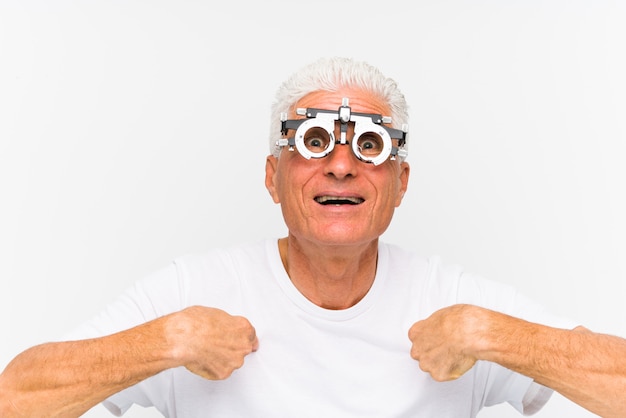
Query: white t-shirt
[{"x": 314, "y": 362}]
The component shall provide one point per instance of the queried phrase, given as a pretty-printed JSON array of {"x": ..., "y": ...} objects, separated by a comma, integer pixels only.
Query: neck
[{"x": 333, "y": 277}]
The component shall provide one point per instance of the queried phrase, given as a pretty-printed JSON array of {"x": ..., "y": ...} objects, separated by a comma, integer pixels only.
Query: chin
[{"x": 343, "y": 238}]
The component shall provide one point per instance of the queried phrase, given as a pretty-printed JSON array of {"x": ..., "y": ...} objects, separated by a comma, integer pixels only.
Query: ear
[
  {"x": 271, "y": 166},
  {"x": 405, "y": 170}
]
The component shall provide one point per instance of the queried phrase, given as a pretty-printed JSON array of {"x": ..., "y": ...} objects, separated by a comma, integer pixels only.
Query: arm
[
  {"x": 68, "y": 378},
  {"x": 586, "y": 367}
]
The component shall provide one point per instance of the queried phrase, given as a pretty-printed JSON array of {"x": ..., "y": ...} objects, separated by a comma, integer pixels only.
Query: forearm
[
  {"x": 66, "y": 379},
  {"x": 588, "y": 368}
]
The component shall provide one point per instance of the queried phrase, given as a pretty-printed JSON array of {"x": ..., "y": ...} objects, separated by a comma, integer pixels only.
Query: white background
[{"x": 132, "y": 132}]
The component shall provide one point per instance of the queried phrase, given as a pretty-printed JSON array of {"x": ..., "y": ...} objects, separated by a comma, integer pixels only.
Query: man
[{"x": 327, "y": 321}]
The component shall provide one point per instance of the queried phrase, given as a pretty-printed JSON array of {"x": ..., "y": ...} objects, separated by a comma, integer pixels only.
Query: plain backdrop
[{"x": 132, "y": 132}]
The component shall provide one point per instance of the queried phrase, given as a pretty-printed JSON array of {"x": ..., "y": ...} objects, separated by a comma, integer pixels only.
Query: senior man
[{"x": 328, "y": 321}]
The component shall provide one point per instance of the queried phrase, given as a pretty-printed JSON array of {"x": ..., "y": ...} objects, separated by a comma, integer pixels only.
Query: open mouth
[{"x": 339, "y": 200}]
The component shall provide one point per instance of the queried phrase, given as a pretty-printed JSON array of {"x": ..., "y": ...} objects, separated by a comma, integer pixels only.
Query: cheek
[
  {"x": 399, "y": 194},
  {"x": 392, "y": 190},
  {"x": 290, "y": 181}
]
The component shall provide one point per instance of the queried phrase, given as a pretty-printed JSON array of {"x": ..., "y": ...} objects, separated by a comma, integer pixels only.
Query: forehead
[{"x": 360, "y": 101}]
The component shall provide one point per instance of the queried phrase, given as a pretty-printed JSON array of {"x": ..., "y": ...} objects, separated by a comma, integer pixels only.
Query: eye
[
  {"x": 314, "y": 143},
  {"x": 370, "y": 144},
  {"x": 316, "y": 139}
]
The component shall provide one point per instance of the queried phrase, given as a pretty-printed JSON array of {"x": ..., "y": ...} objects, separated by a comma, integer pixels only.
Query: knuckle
[
  {"x": 423, "y": 367},
  {"x": 238, "y": 363},
  {"x": 241, "y": 321},
  {"x": 438, "y": 376},
  {"x": 415, "y": 354},
  {"x": 223, "y": 374}
]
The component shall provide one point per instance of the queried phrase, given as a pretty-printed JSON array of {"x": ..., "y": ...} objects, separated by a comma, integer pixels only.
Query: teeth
[{"x": 338, "y": 200}]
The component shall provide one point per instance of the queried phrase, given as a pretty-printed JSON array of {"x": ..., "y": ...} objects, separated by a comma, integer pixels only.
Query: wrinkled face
[{"x": 336, "y": 200}]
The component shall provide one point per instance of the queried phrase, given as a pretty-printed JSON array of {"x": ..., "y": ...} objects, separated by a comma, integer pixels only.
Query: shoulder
[
  {"x": 223, "y": 259},
  {"x": 435, "y": 283},
  {"x": 426, "y": 280},
  {"x": 218, "y": 276}
]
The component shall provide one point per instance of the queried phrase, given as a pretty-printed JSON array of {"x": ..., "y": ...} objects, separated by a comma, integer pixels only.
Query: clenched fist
[
  {"x": 445, "y": 344},
  {"x": 209, "y": 342}
]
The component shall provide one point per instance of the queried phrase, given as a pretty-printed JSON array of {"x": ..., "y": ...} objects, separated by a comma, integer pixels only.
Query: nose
[{"x": 341, "y": 162}]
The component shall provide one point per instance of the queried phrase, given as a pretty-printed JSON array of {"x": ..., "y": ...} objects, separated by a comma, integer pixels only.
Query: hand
[
  {"x": 443, "y": 343},
  {"x": 210, "y": 342}
]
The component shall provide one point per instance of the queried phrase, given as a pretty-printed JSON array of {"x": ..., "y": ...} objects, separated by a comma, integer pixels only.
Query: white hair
[{"x": 331, "y": 74}]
